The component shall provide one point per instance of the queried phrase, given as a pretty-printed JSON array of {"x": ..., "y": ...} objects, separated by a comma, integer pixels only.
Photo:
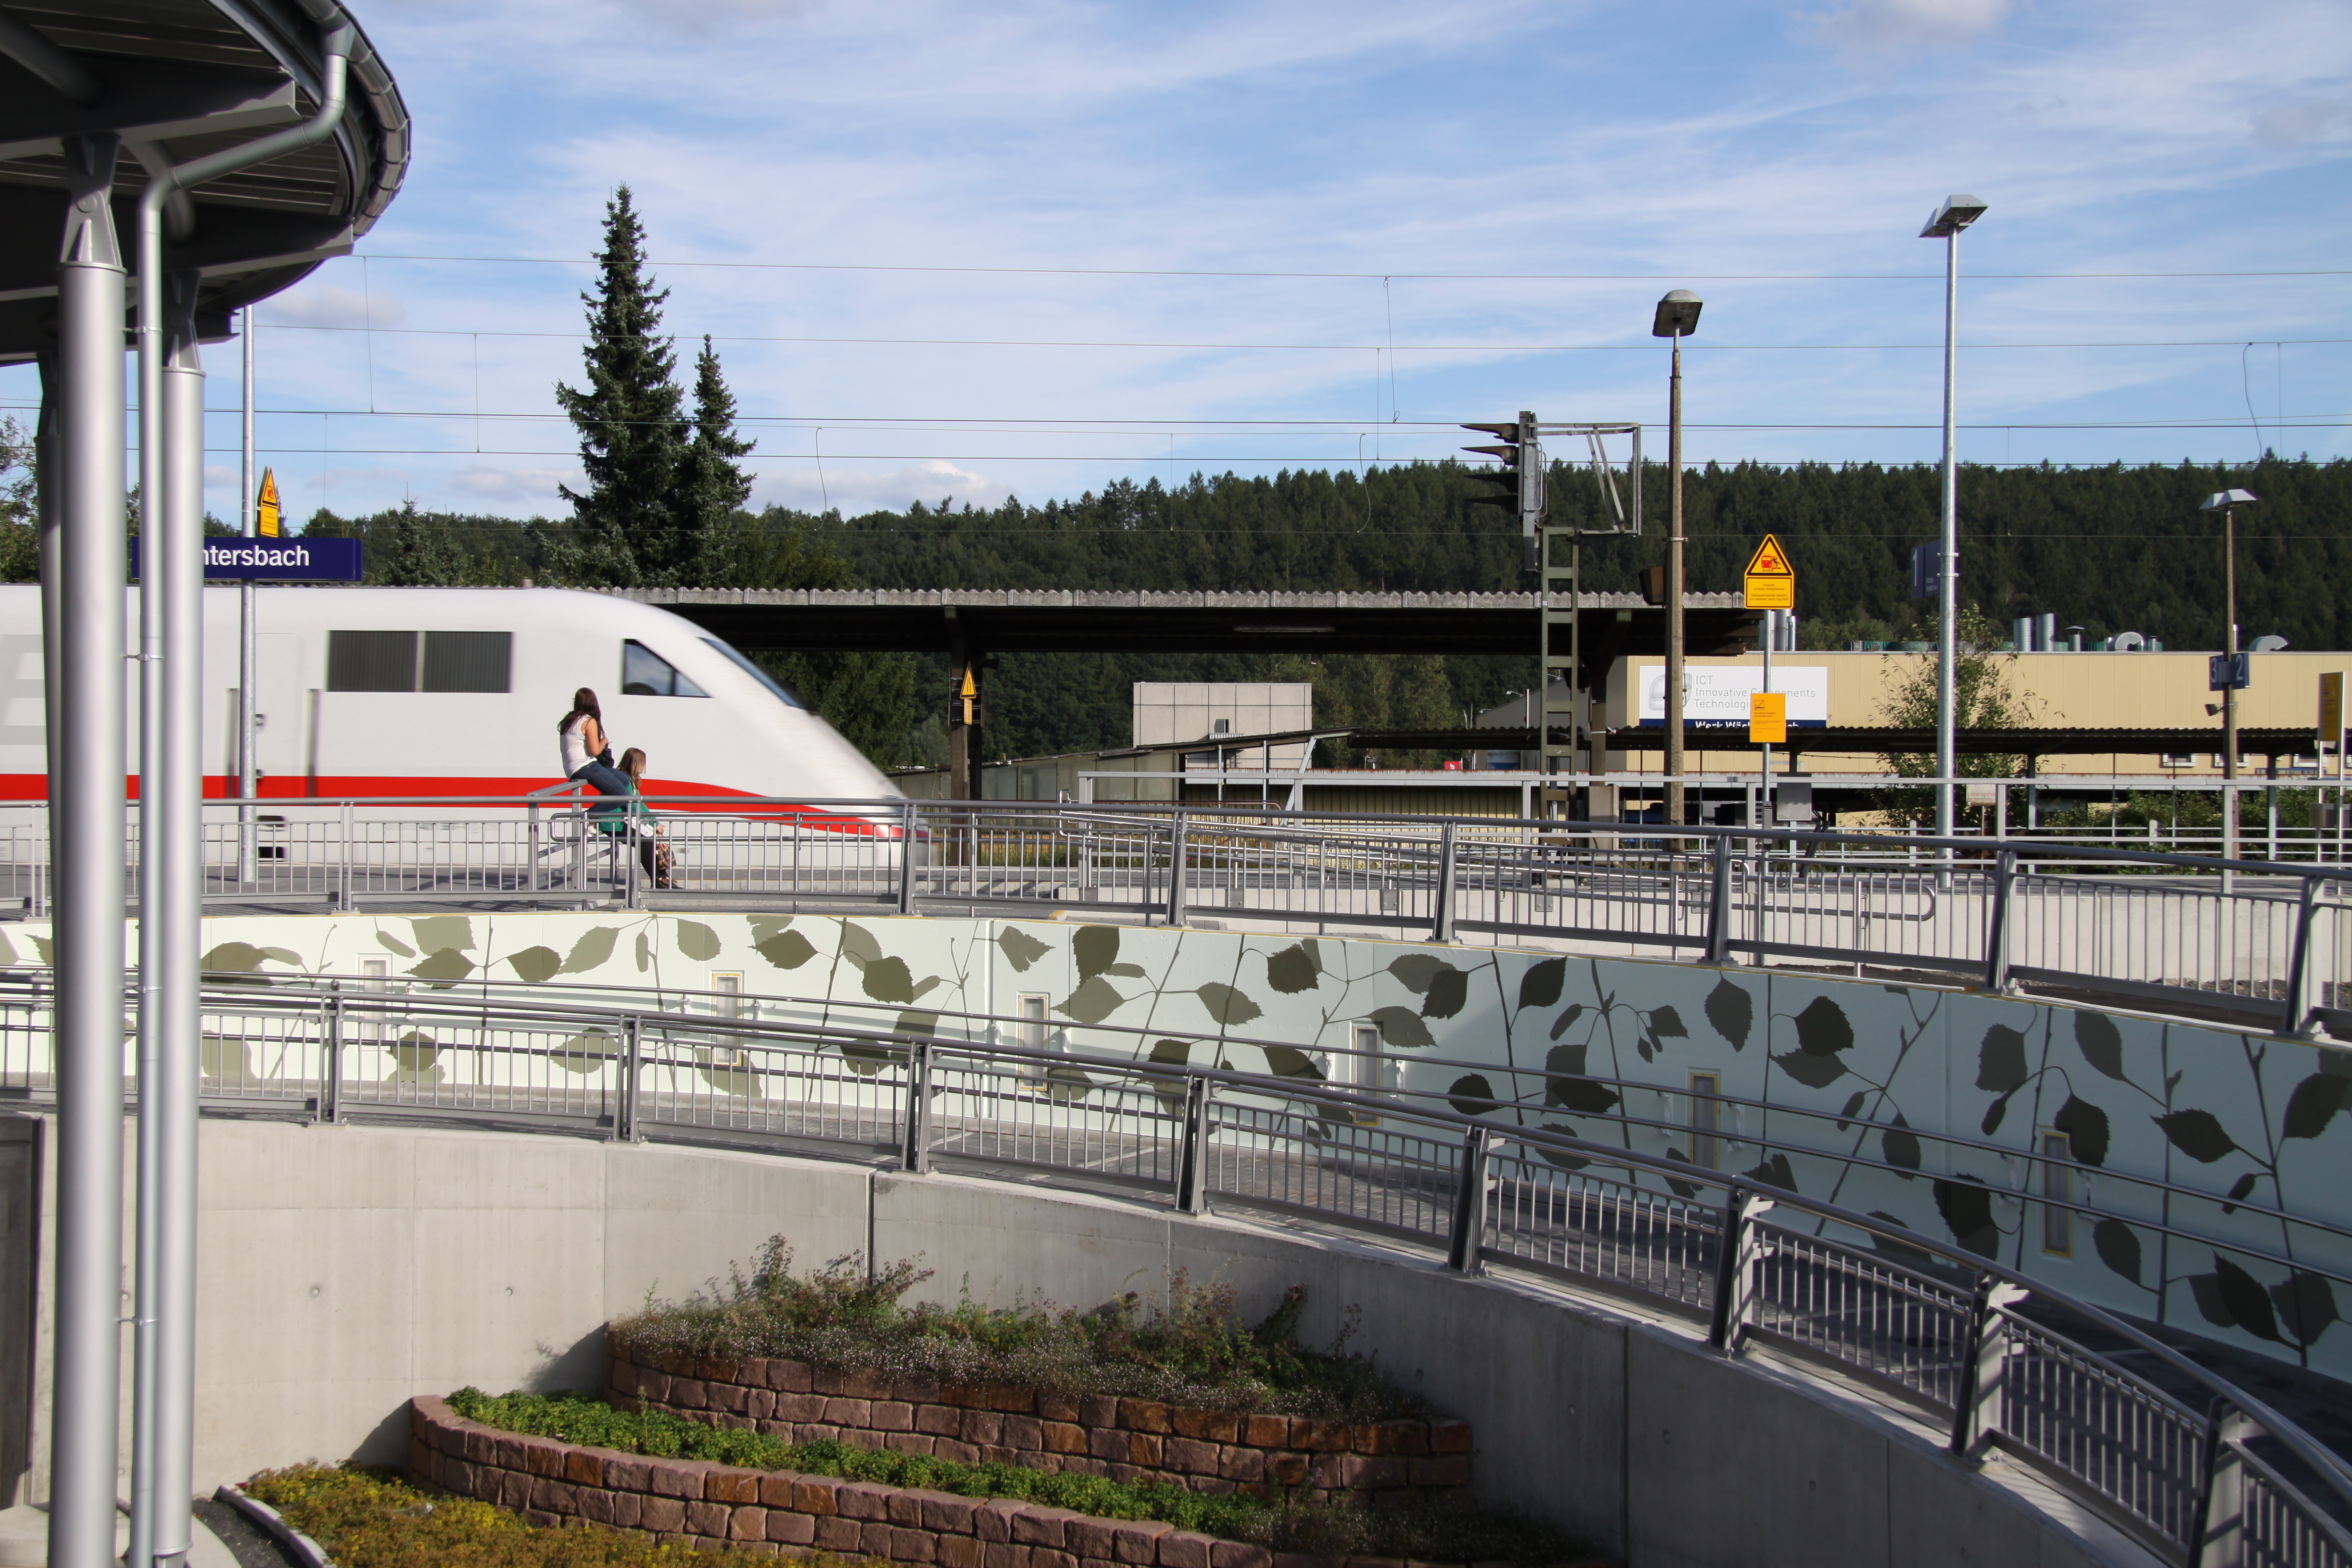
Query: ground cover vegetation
[
  {"x": 368, "y": 1517},
  {"x": 1428, "y": 1531},
  {"x": 1191, "y": 1348}
]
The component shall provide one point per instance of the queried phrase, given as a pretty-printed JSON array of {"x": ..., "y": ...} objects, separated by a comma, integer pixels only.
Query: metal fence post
[
  {"x": 1176, "y": 870},
  {"x": 2217, "y": 1535},
  {"x": 579, "y": 849},
  {"x": 330, "y": 1079},
  {"x": 915, "y": 1146},
  {"x": 534, "y": 846},
  {"x": 1975, "y": 1402},
  {"x": 2298, "y": 968},
  {"x": 342, "y": 898},
  {"x": 906, "y": 863},
  {"x": 1441, "y": 928},
  {"x": 1719, "y": 905},
  {"x": 1192, "y": 1160},
  {"x": 1469, "y": 1204},
  {"x": 626, "y": 1126},
  {"x": 625, "y": 844},
  {"x": 1997, "y": 923},
  {"x": 1738, "y": 1258}
]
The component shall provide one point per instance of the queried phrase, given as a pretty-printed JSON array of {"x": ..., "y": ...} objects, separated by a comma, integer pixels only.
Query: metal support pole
[
  {"x": 907, "y": 858},
  {"x": 1947, "y": 590},
  {"x": 1976, "y": 1405},
  {"x": 248, "y": 657},
  {"x": 1737, "y": 1261},
  {"x": 85, "y": 1381},
  {"x": 331, "y": 1071},
  {"x": 2297, "y": 1019},
  {"x": 1192, "y": 1157},
  {"x": 1719, "y": 903},
  {"x": 1675, "y": 812},
  {"x": 535, "y": 831},
  {"x": 2217, "y": 1536},
  {"x": 915, "y": 1146},
  {"x": 1441, "y": 926},
  {"x": 1469, "y": 1204},
  {"x": 627, "y": 1126},
  {"x": 1176, "y": 831},
  {"x": 46, "y": 484},
  {"x": 1997, "y": 923}
]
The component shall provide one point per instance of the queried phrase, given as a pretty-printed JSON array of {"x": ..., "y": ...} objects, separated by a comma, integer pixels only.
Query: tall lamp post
[
  {"x": 1677, "y": 317},
  {"x": 2227, "y": 503},
  {"x": 1945, "y": 224}
]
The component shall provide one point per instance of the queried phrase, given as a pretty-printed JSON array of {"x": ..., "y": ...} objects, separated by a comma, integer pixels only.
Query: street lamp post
[
  {"x": 2227, "y": 502},
  {"x": 1945, "y": 224},
  {"x": 1676, "y": 317}
]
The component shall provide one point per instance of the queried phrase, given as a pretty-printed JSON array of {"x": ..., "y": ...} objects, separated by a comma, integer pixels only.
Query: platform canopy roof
[{"x": 177, "y": 80}]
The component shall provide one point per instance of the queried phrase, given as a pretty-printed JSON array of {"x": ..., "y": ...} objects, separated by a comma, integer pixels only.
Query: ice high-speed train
[{"x": 414, "y": 692}]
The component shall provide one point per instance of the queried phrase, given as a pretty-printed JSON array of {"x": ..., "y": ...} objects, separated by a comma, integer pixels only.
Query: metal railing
[{"x": 2188, "y": 1462}]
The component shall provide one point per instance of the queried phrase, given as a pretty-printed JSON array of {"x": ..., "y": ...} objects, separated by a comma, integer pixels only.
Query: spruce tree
[
  {"x": 624, "y": 531},
  {"x": 709, "y": 486}
]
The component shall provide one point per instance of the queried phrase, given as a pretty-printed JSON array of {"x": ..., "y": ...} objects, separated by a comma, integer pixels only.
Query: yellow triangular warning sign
[
  {"x": 1770, "y": 561},
  {"x": 970, "y": 687},
  {"x": 264, "y": 506}
]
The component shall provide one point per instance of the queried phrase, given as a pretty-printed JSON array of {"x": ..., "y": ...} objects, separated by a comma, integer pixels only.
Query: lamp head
[
  {"x": 2221, "y": 500},
  {"x": 1957, "y": 212},
  {"x": 1677, "y": 315}
]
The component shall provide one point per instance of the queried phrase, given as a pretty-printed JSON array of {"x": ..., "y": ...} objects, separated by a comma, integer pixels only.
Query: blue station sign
[{"x": 281, "y": 560}]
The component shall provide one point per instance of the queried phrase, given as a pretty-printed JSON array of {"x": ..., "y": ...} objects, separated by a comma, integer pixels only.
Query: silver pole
[
  {"x": 45, "y": 458},
  {"x": 248, "y": 635},
  {"x": 179, "y": 906},
  {"x": 1771, "y": 631},
  {"x": 86, "y": 1378},
  {"x": 1948, "y": 591}
]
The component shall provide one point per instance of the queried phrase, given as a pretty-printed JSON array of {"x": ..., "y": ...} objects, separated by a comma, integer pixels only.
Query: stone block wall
[{"x": 1211, "y": 1451}]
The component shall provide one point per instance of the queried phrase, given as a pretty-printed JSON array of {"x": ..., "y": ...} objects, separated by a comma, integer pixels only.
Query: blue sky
[{"x": 1500, "y": 191}]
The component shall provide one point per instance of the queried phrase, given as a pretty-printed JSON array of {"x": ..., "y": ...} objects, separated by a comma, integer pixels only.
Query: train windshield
[{"x": 756, "y": 673}]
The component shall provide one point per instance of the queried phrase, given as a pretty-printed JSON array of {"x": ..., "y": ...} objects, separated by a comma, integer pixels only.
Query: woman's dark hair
[{"x": 582, "y": 701}]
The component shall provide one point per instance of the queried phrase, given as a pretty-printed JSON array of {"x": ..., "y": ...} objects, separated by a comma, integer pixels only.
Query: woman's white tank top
[{"x": 575, "y": 746}]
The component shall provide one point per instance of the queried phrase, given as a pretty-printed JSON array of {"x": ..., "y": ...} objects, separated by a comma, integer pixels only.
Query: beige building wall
[{"x": 1174, "y": 710}]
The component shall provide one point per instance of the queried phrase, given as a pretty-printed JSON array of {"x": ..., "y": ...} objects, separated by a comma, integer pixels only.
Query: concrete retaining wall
[{"x": 344, "y": 1270}]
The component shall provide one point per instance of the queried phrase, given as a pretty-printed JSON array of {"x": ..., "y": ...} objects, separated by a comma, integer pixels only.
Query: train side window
[
  {"x": 468, "y": 661},
  {"x": 644, "y": 673},
  {"x": 371, "y": 661}
]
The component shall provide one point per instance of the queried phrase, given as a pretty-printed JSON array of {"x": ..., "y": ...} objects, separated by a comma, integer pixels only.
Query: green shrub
[
  {"x": 1191, "y": 1349},
  {"x": 371, "y": 1519}
]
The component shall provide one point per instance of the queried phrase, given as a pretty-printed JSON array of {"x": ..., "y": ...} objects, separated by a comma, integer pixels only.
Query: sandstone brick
[
  {"x": 1064, "y": 1437},
  {"x": 1210, "y": 1486},
  {"x": 1040, "y": 1527},
  {"x": 963, "y": 1395},
  {"x": 1206, "y": 1425},
  {"x": 1286, "y": 1470},
  {"x": 983, "y": 1427},
  {"x": 514, "y": 1490},
  {"x": 959, "y": 1453},
  {"x": 1077, "y": 1465},
  {"x": 1087, "y": 1537},
  {"x": 912, "y": 1546},
  {"x": 1056, "y": 1406},
  {"x": 626, "y": 1474},
  {"x": 834, "y": 1534},
  {"x": 584, "y": 1468},
  {"x": 892, "y": 1415},
  {"x": 1012, "y": 1399},
  {"x": 815, "y": 1432},
  {"x": 1187, "y": 1456},
  {"x": 1183, "y": 1549},
  {"x": 1407, "y": 1438},
  {"x": 481, "y": 1446},
  {"x": 1005, "y": 1554},
  {"x": 688, "y": 1393},
  {"x": 993, "y": 1520},
  {"x": 824, "y": 1381},
  {"x": 1051, "y": 1557},
  {"x": 1449, "y": 1437},
  {"x": 596, "y": 1505},
  {"x": 1299, "y": 1560},
  {"x": 789, "y": 1376},
  {"x": 706, "y": 1519},
  {"x": 1320, "y": 1437},
  {"x": 1098, "y": 1410},
  {"x": 540, "y": 1519},
  {"x": 1025, "y": 1433},
  {"x": 939, "y": 1420},
  {"x": 542, "y": 1457},
  {"x": 1108, "y": 1444},
  {"x": 915, "y": 1389},
  {"x": 730, "y": 1397},
  {"x": 678, "y": 1479},
  {"x": 730, "y": 1486},
  {"x": 759, "y": 1405},
  {"x": 421, "y": 1455},
  {"x": 1239, "y": 1464},
  {"x": 1239, "y": 1554},
  {"x": 946, "y": 1512},
  {"x": 1376, "y": 1562},
  {"x": 864, "y": 1500},
  {"x": 1144, "y": 1449},
  {"x": 747, "y": 1524},
  {"x": 844, "y": 1411},
  {"x": 629, "y": 1509},
  {"x": 1448, "y": 1470},
  {"x": 961, "y": 1551},
  {"x": 788, "y": 1529},
  {"x": 803, "y": 1407},
  {"x": 909, "y": 1442},
  {"x": 1143, "y": 1416},
  {"x": 1137, "y": 1541}
]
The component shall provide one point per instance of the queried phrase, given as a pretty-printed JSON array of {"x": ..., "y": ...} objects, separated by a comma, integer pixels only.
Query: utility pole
[
  {"x": 2227, "y": 502},
  {"x": 248, "y": 635},
  {"x": 1676, "y": 317},
  {"x": 1945, "y": 224}
]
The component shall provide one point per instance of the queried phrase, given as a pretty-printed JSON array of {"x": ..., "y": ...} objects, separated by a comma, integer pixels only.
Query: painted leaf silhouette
[
  {"x": 859, "y": 945},
  {"x": 1822, "y": 1029},
  {"x": 921, "y": 1025},
  {"x": 1020, "y": 949},
  {"x": 890, "y": 980},
  {"x": 1567, "y": 1020},
  {"x": 1132, "y": 971},
  {"x": 1472, "y": 1095},
  {"x": 594, "y": 949},
  {"x": 2085, "y": 1126},
  {"x": 1665, "y": 1021},
  {"x": 2315, "y": 1104},
  {"x": 1891, "y": 1246},
  {"x": 2197, "y": 1134},
  {"x": 442, "y": 931},
  {"x": 1994, "y": 1113},
  {"x": 442, "y": 967},
  {"x": 1852, "y": 1106},
  {"x": 1092, "y": 1002},
  {"x": 1812, "y": 1071},
  {"x": 1225, "y": 1004},
  {"x": 242, "y": 958},
  {"x": 1732, "y": 1012},
  {"x": 697, "y": 941},
  {"x": 386, "y": 940},
  {"x": 2117, "y": 1246},
  {"x": 1414, "y": 971},
  {"x": 1171, "y": 1053},
  {"x": 2240, "y": 1189},
  {"x": 2001, "y": 1059},
  {"x": 1540, "y": 985},
  {"x": 586, "y": 1052},
  {"x": 2307, "y": 1305},
  {"x": 1775, "y": 1172},
  {"x": 1900, "y": 1144},
  {"x": 2101, "y": 1043},
  {"x": 786, "y": 950},
  {"x": 1294, "y": 969},
  {"x": 2249, "y": 1304},
  {"x": 1967, "y": 1207},
  {"x": 1566, "y": 1086},
  {"x": 1288, "y": 1061},
  {"x": 1095, "y": 948},
  {"x": 1402, "y": 1028},
  {"x": 645, "y": 951},
  {"x": 535, "y": 964},
  {"x": 1449, "y": 988},
  {"x": 1682, "y": 1189}
]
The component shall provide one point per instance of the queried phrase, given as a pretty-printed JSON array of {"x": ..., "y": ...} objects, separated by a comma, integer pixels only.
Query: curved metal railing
[{"x": 2187, "y": 1461}]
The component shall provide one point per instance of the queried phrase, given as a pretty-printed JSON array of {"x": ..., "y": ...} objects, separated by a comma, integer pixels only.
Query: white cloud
[
  {"x": 1900, "y": 24},
  {"x": 2309, "y": 122},
  {"x": 313, "y": 303},
  {"x": 530, "y": 490},
  {"x": 856, "y": 490}
]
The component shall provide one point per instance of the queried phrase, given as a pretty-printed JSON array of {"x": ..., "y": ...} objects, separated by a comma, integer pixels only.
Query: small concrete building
[{"x": 1175, "y": 711}]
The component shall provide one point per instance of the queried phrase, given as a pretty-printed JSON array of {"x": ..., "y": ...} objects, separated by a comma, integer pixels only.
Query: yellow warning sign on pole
[
  {"x": 264, "y": 506},
  {"x": 1769, "y": 580},
  {"x": 1768, "y": 718},
  {"x": 970, "y": 688}
]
